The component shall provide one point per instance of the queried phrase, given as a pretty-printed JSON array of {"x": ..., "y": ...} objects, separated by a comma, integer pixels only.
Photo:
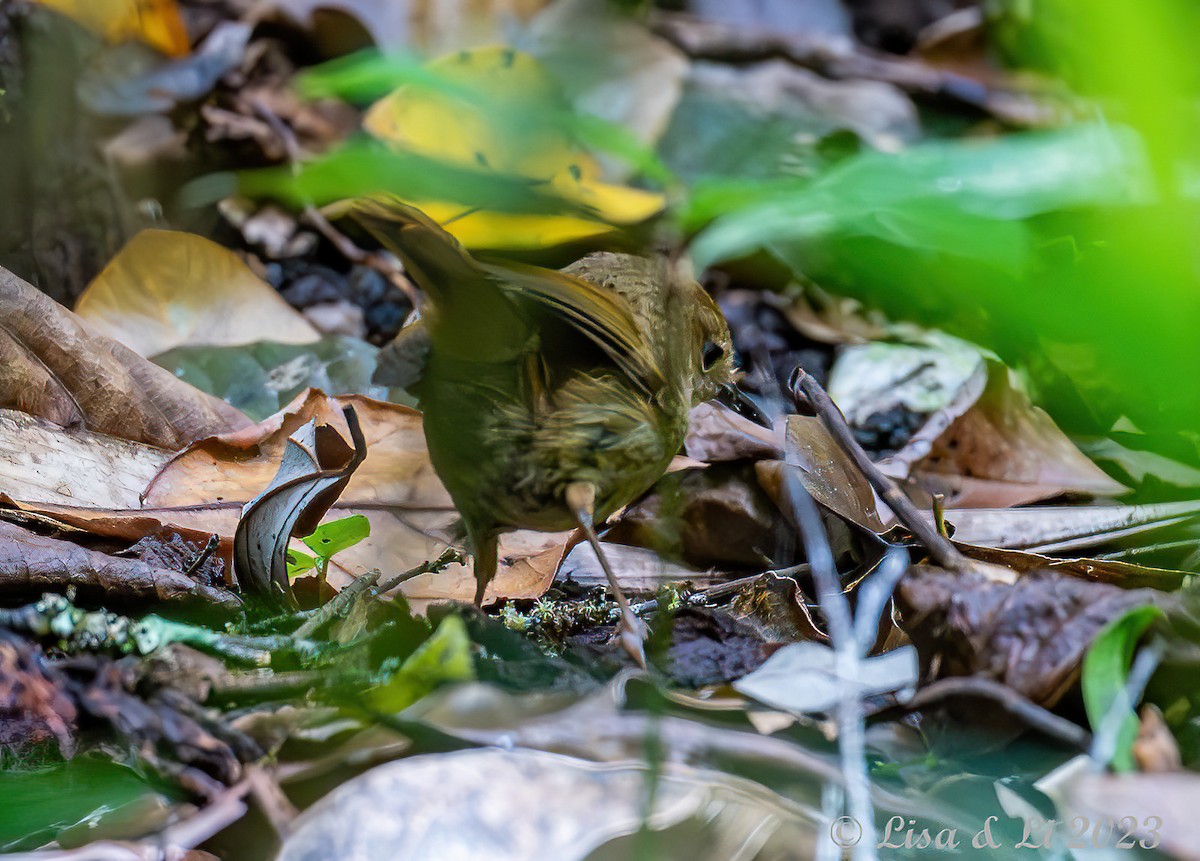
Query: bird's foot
[{"x": 632, "y": 636}]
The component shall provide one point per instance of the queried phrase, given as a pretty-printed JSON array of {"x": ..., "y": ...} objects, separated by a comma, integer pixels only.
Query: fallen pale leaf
[{"x": 168, "y": 289}]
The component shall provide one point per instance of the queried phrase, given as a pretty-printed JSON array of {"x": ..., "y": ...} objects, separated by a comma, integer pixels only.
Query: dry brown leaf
[
  {"x": 130, "y": 490},
  {"x": 717, "y": 433},
  {"x": 1004, "y": 451},
  {"x": 1123, "y": 574},
  {"x": 1161, "y": 807},
  {"x": 1067, "y": 528},
  {"x": 396, "y": 488},
  {"x": 1030, "y": 635},
  {"x": 44, "y": 463},
  {"x": 32, "y": 563},
  {"x": 641, "y": 570},
  {"x": 315, "y": 468},
  {"x": 55, "y": 367},
  {"x": 168, "y": 289},
  {"x": 829, "y": 475}
]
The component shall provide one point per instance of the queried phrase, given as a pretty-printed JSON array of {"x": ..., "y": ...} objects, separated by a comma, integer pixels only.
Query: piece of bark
[{"x": 31, "y": 564}]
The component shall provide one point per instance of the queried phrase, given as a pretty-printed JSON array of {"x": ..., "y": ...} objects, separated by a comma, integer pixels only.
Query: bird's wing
[
  {"x": 599, "y": 314},
  {"x": 488, "y": 322}
]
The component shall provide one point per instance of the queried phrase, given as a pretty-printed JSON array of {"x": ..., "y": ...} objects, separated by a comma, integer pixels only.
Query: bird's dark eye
[{"x": 713, "y": 353}]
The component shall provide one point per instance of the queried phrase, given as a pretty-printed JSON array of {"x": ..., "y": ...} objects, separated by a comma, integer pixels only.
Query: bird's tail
[{"x": 432, "y": 257}]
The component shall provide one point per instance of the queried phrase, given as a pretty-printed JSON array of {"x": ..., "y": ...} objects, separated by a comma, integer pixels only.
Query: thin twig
[
  {"x": 210, "y": 547},
  {"x": 449, "y": 556},
  {"x": 810, "y": 397},
  {"x": 873, "y": 594},
  {"x": 848, "y": 654},
  {"x": 312, "y": 215},
  {"x": 1019, "y": 706},
  {"x": 338, "y": 605}
]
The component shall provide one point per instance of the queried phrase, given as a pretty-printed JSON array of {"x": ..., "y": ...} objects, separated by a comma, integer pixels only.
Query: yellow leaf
[
  {"x": 155, "y": 22},
  {"x": 500, "y": 109},
  {"x": 168, "y": 289}
]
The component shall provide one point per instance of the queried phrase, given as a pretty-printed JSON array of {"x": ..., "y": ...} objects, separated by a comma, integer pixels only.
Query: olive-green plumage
[{"x": 535, "y": 380}]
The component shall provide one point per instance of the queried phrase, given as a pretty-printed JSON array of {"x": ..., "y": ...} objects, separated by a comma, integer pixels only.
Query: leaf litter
[{"x": 786, "y": 636}]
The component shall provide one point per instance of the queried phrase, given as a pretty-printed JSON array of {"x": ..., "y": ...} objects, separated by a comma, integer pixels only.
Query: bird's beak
[{"x": 741, "y": 403}]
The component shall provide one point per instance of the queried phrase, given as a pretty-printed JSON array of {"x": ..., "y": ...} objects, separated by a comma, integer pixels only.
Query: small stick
[
  {"x": 1011, "y": 701},
  {"x": 341, "y": 603},
  {"x": 811, "y": 398},
  {"x": 203, "y": 556},
  {"x": 448, "y": 556},
  {"x": 318, "y": 221}
]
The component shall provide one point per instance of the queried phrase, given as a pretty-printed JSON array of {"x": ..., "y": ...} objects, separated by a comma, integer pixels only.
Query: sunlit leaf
[
  {"x": 155, "y": 22},
  {"x": 500, "y": 111},
  {"x": 298, "y": 563}
]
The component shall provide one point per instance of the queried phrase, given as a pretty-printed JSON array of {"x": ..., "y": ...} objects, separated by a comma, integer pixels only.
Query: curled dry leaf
[
  {"x": 396, "y": 488},
  {"x": 1031, "y": 635},
  {"x": 314, "y": 470},
  {"x": 981, "y": 442},
  {"x": 1004, "y": 451},
  {"x": 57, "y": 368},
  {"x": 168, "y": 289}
]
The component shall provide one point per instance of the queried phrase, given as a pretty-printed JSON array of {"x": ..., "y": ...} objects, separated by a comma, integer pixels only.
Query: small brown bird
[{"x": 551, "y": 399}]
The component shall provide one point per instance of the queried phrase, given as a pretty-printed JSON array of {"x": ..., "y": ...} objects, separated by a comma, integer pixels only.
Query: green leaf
[
  {"x": 964, "y": 197},
  {"x": 336, "y": 535},
  {"x": 298, "y": 563},
  {"x": 444, "y": 657},
  {"x": 1105, "y": 672}
]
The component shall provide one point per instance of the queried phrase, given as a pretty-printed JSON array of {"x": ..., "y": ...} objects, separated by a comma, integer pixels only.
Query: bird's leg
[
  {"x": 484, "y": 547},
  {"x": 581, "y": 499}
]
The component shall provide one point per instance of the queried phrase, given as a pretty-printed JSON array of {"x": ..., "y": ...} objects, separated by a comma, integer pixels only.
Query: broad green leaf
[
  {"x": 336, "y": 535},
  {"x": 298, "y": 563},
  {"x": 444, "y": 657},
  {"x": 1105, "y": 672},
  {"x": 960, "y": 197}
]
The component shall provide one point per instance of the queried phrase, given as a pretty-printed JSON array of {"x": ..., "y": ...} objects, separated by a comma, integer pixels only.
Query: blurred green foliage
[
  {"x": 1070, "y": 253},
  {"x": 1105, "y": 674},
  {"x": 87, "y": 796}
]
